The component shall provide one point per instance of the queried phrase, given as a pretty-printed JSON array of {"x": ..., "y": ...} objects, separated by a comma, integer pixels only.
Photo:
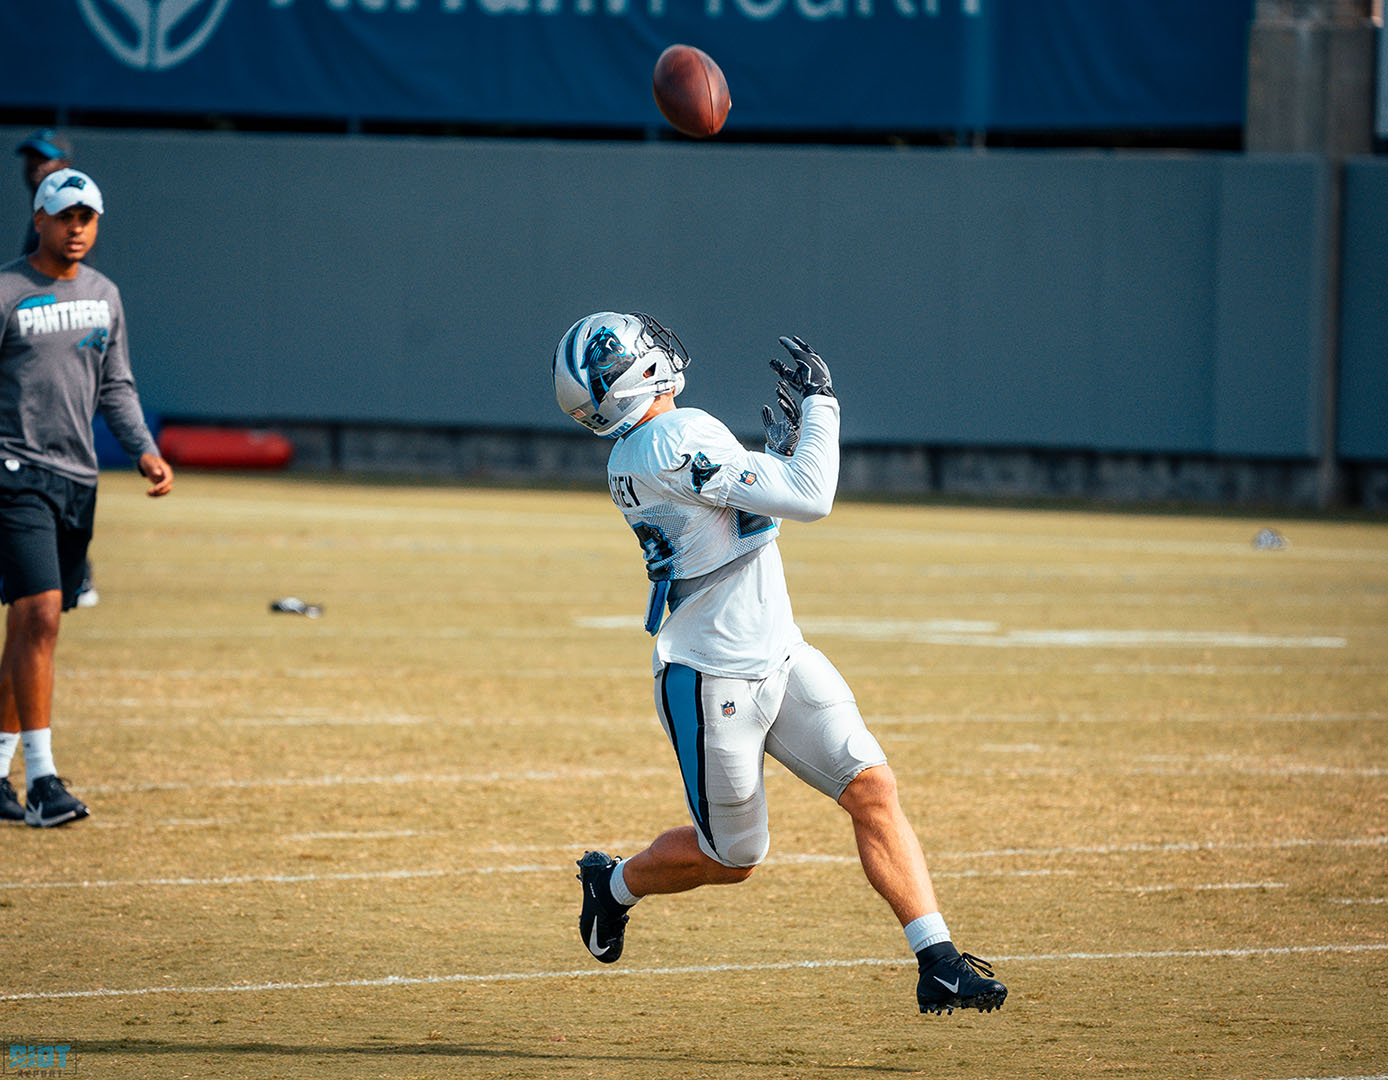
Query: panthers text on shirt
[{"x": 51, "y": 316}]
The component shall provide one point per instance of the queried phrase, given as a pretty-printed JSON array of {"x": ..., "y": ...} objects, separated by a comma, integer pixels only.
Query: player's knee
[
  {"x": 872, "y": 791},
  {"x": 743, "y": 853},
  {"x": 37, "y": 618}
]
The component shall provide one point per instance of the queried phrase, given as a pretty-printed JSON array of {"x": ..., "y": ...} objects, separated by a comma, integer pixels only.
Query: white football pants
[{"x": 803, "y": 714}]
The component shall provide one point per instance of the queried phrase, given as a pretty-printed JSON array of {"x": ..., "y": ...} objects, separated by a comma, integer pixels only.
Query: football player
[{"x": 734, "y": 677}]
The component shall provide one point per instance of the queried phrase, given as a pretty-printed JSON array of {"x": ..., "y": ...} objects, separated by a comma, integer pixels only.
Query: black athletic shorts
[{"x": 45, "y": 527}]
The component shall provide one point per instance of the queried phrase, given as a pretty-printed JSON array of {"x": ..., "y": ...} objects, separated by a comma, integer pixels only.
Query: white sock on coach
[
  {"x": 38, "y": 754},
  {"x": 926, "y": 931},
  {"x": 9, "y": 743}
]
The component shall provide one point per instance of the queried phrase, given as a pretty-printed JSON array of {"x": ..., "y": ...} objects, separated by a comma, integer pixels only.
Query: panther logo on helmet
[{"x": 606, "y": 359}]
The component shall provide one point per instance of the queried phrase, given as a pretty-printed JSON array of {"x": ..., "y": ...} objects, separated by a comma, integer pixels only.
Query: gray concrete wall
[
  {"x": 1364, "y": 313},
  {"x": 1096, "y": 302}
]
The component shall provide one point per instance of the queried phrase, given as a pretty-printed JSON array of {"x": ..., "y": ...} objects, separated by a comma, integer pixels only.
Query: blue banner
[{"x": 808, "y": 65}]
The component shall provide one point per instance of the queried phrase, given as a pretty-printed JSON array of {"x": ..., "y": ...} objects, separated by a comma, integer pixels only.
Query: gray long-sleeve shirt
[{"x": 63, "y": 356}]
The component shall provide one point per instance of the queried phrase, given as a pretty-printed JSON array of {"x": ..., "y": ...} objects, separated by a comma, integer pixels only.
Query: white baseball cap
[{"x": 67, "y": 187}]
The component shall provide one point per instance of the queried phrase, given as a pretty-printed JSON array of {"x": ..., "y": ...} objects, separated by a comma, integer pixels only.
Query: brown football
[{"x": 691, "y": 91}]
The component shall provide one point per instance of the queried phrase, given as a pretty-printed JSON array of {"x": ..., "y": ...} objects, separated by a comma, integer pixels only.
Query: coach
[{"x": 63, "y": 356}]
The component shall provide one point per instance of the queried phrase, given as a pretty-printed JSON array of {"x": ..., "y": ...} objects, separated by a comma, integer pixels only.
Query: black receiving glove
[
  {"x": 782, "y": 435},
  {"x": 809, "y": 375}
]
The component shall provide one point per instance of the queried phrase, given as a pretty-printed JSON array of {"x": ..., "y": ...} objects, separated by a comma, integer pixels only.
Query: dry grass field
[{"x": 1147, "y": 761}]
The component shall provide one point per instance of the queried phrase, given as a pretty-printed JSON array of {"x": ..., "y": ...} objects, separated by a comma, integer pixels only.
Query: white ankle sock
[
  {"x": 9, "y": 743},
  {"x": 926, "y": 931},
  {"x": 38, "y": 754},
  {"x": 618, "y": 886}
]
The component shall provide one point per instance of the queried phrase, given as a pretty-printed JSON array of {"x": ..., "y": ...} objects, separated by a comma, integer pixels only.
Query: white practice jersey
[{"x": 706, "y": 511}]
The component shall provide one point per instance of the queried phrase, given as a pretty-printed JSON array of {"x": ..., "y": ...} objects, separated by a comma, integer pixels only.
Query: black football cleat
[
  {"x": 602, "y": 921},
  {"x": 48, "y": 804},
  {"x": 953, "y": 980}
]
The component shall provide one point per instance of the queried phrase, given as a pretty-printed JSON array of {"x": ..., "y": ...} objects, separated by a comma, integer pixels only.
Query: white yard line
[
  {"x": 335, "y": 780},
  {"x": 1177, "y": 847},
  {"x": 1119, "y": 718},
  {"x": 790, "y": 858},
  {"x": 438, "y": 872},
  {"x": 703, "y": 969},
  {"x": 991, "y": 635},
  {"x": 1375, "y": 1076},
  {"x": 1231, "y": 885}
]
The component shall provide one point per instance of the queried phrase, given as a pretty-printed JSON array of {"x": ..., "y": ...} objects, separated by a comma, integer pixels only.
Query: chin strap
[{"x": 655, "y": 389}]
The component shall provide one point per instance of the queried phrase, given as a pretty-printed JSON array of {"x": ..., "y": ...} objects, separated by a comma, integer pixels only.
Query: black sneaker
[
  {"x": 950, "y": 980},
  {"x": 48, "y": 804},
  {"x": 602, "y": 921},
  {"x": 10, "y": 808}
]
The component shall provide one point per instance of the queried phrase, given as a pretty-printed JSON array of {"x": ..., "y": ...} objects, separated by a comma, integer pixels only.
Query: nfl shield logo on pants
[{"x": 729, "y": 708}]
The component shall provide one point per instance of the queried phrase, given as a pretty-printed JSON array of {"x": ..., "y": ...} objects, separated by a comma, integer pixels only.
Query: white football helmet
[{"x": 609, "y": 367}]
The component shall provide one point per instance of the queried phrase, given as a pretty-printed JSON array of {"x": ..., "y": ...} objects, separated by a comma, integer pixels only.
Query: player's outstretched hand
[
  {"x": 782, "y": 435},
  {"x": 158, "y": 472},
  {"x": 809, "y": 375}
]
